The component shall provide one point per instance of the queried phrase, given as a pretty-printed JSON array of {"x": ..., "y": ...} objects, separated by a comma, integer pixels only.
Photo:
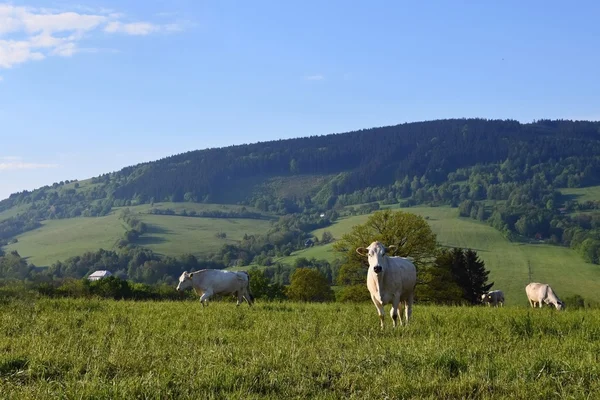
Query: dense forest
[{"x": 500, "y": 171}]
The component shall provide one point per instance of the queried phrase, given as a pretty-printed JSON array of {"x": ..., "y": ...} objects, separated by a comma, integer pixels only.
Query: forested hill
[
  {"x": 370, "y": 157},
  {"x": 345, "y": 162}
]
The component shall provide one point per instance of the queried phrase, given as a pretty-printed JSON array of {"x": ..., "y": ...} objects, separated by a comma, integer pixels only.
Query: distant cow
[
  {"x": 390, "y": 280},
  {"x": 208, "y": 282},
  {"x": 542, "y": 293},
  {"x": 494, "y": 298}
]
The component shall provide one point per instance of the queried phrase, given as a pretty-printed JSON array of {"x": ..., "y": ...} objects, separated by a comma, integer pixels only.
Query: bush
[
  {"x": 354, "y": 293},
  {"x": 308, "y": 284}
]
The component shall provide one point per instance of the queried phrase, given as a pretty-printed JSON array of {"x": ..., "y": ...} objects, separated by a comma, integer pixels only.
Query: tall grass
[{"x": 76, "y": 348}]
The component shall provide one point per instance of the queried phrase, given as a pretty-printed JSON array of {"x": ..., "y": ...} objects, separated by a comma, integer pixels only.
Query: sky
[{"x": 88, "y": 87}]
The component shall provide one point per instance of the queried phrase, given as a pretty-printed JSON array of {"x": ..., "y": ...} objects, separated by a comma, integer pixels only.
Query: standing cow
[
  {"x": 208, "y": 282},
  {"x": 390, "y": 280},
  {"x": 542, "y": 293},
  {"x": 494, "y": 298}
]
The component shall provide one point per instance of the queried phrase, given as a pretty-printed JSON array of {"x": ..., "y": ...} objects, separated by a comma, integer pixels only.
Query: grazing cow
[
  {"x": 390, "y": 280},
  {"x": 542, "y": 293},
  {"x": 494, "y": 298},
  {"x": 207, "y": 282}
]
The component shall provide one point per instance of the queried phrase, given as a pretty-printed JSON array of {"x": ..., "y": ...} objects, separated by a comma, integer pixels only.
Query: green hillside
[
  {"x": 508, "y": 262},
  {"x": 170, "y": 235},
  {"x": 502, "y": 172},
  {"x": 591, "y": 193}
]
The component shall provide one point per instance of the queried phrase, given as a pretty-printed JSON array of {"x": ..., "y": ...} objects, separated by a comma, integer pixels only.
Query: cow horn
[
  {"x": 362, "y": 251},
  {"x": 391, "y": 249}
]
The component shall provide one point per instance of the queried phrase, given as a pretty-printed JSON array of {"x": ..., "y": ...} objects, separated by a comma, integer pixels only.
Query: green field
[
  {"x": 104, "y": 349},
  {"x": 174, "y": 235},
  {"x": 508, "y": 262},
  {"x": 11, "y": 212},
  {"x": 170, "y": 235},
  {"x": 60, "y": 239},
  {"x": 582, "y": 194}
]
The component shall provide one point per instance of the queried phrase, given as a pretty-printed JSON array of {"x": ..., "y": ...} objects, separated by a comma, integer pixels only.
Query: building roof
[{"x": 100, "y": 274}]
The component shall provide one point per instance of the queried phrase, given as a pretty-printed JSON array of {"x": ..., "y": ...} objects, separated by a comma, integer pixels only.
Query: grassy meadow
[
  {"x": 508, "y": 262},
  {"x": 104, "y": 349},
  {"x": 170, "y": 235},
  {"x": 582, "y": 194}
]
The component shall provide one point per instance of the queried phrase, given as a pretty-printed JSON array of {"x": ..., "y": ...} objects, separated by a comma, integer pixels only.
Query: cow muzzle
[{"x": 377, "y": 269}]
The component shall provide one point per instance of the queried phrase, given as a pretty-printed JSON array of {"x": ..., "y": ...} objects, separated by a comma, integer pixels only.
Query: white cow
[
  {"x": 208, "y": 282},
  {"x": 494, "y": 298},
  {"x": 390, "y": 280},
  {"x": 542, "y": 293}
]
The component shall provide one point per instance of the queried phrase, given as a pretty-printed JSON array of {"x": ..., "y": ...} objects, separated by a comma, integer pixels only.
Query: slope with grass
[
  {"x": 510, "y": 263},
  {"x": 170, "y": 235},
  {"x": 591, "y": 193},
  {"x": 51, "y": 349}
]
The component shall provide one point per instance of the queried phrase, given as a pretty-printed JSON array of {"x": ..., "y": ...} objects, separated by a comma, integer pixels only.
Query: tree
[
  {"x": 308, "y": 284},
  {"x": 261, "y": 288},
  {"x": 438, "y": 285},
  {"x": 467, "y": 271},
  {"x": 409, "y": 232},
  {"x": 326, "y": 237}
]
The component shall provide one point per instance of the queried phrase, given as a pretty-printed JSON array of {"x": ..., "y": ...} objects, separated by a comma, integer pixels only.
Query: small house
[
  {"x": 309, "y": 243},
  {"x": 96, "y": 275}
]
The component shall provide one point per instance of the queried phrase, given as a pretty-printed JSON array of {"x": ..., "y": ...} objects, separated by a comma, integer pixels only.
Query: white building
[{"x": 99, "y": 275}]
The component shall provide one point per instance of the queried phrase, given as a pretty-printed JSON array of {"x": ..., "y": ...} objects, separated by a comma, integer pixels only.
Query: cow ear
[
  {"x": 391, "y": 249},
  {"x": 362, "y": 251}
]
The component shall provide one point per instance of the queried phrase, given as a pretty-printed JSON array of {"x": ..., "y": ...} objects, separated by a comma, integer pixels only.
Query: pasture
[
  {"x": 508, "y": 262},
  {"x": 104, "y": 349},
  {"x": 170, "y": 235},
  {"x": 589, "y": 193}
]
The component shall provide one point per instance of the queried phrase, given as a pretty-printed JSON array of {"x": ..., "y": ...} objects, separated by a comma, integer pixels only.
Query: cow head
[
  {"x": 485, "y": 297},
  {"x": 375, "y": 254},
  {"x": 185, "y": 281},
  {"x": 559, "y": 305}
]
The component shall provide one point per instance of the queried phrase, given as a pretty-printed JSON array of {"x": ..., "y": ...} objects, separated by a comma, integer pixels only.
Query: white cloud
[
  {"x": 30, "y": 34},
  {"x": 16, "y": 165},
  {"x": 134, "y": 28},
  {"x": 317, "y": 77}
]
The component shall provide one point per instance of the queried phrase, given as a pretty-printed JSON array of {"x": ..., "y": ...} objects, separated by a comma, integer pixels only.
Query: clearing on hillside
[{"x": 170, "y": 235}]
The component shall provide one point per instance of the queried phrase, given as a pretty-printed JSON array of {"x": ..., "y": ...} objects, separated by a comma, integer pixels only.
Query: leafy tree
[
  {"x": 409, "y": 232},
  {"x": 13, "y": 266},
  {"x": 261, "y": 288},
  {"x": 326, "y": 237},
  {"x": 308, "y": 284}
]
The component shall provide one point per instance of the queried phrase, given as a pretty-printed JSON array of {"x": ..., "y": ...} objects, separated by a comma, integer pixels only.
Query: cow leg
[
  {"x": 408, "y": 307},
  {"x": 380, "y": 310},
  {"x": 204, "y": 298},
  {"x": 248, "y": 297},
  {"x": 394, "y": 312}
]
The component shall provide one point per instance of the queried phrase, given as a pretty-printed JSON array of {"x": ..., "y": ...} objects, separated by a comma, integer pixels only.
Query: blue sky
[{"x": 91, "y": 87}]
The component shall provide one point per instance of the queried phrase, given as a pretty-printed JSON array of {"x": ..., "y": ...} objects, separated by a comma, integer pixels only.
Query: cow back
[{"x": 218, "y": 281}]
